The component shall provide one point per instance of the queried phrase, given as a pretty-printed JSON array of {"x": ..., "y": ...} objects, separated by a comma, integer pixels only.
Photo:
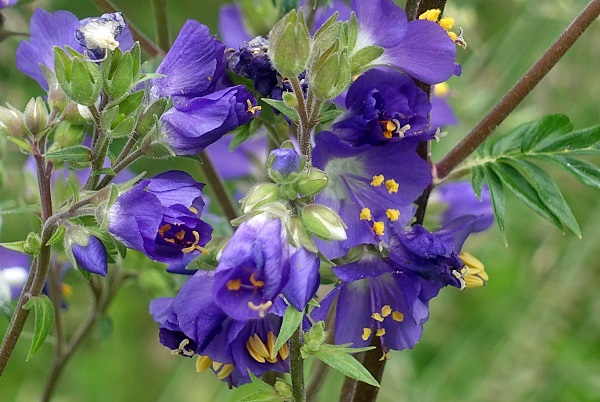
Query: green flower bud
[
  {"x": 36, "y": 115},
  {"x": 259, "y": 195},
  {"x": 67, "y": 135},
  {"x": 300, "y": 236},
  {"x": 323, "y": 222},
  {"x": 311, "y": 181},
  {"x": 317, "y": 335},
  {"x": 33, "y": 244},
  {"x": 284, "y": 389},
  {"x": 12, "y": 123},
  {"x": 289, "y": 44}
]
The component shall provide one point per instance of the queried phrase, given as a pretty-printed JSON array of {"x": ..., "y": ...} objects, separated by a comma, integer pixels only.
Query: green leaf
[
  {"x": 345, "y": 364},
  {"x": 360, "y": 60},
  {"x": 549, "y": 193},
  {"x": 73, "y": 188},
  {"x": 287, "y": 111},
  {"x": 547, "y": 126},
  {"x": 497, "y": 195},
  {"x": 263, "y": 396},
  {"x": 260, "y": 384},
  {"x": 515, "y": 182},
  {"x": 25, "y": 147},
  {"x": 77, "y": 153},
  {"x": 291, "y": 321},
  {"x": 575, "y": 140},
  {"x": 583, "y": 171},
  {"x": 124, "y": 128},
  {"x": 44, "y": 318},
  {"x": 477, "y": 178},
  {"x": 15, "y": 246},
  {"x": 330, "y": 115},
  {"x": 57, "y": 236}
]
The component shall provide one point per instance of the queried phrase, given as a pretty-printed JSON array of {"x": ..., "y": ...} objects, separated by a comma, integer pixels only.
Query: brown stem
[
  {"x": 146, "y": 44},
  {"x": 162, "y": 24},
  {"x": 519, "y": 91},
  {"x": 39, "y": 268}
]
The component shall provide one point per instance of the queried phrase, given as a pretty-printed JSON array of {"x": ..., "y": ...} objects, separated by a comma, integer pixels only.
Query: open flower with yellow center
[{"x": 160, "y": 217}]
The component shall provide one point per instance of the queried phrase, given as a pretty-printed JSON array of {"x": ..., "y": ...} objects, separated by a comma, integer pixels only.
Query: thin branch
[
  {"x": 519, "y": 91},
  {"x": 215, "y": 182},
  {"x": 162, "y": 24}
]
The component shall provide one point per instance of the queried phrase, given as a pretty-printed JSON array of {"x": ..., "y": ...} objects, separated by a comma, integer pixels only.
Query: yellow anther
[
  {"x": 392, "y": 186},
  {"x": 452, "y": 36},
  {"x": 271, "y": 339},
  {"x": 203, "y": 363},
  {"x": 397, "y": 316},
  {"x": 365, "y": 214},
  {"x": 392, "y": 214},
  {"x": 431, "y": 15},
  {"x": 182, "y": 350},
  {"x": 193, "y": 210},
  {"x": 366, "y": 334},
  {"x": 386, "y": 356},
  {"x": 446, "y": 23},
  {"x": 259, "y": 346},
  {"x": 377, "y": 317},
  {"x": 284, "y": 352},
  {"x": 209, "y": 78},
  {"x": 441, "y": 89},
  {"x": 377, "y": 180},
  {"x": 252, "y": 109},
  {"x": 253, "y": 352},
  {"x": 66, "y": 290},
  {"x": 180, "y": 235},
  {"x": 234, "y": 284},
  {"x": 225, "y": 371},
  {"x": 164, "y": 228},
  {"x": 385, "y": 311},
  {"x": 256, "y": 283},
  {"x": 378, "y": 228},
  {"x": 388, "y": 128},
  {"x": 380, "y": 332},
  {"x": 474, "y": 272},
  {"x": 216, "y": 366}
]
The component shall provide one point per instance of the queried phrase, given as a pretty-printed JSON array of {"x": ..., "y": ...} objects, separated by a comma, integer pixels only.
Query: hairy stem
[
  {"x": 39, "y": 268},
  {"x": 519, "y": 91},
  {"x": 297, "y": 366},
  {"x": 304, "y": 115},
  {"x": 146, "y": 44}
]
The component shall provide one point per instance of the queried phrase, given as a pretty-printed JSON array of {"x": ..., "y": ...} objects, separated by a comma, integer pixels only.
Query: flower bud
[
  {"x": 331, "y": 74},
  {"x": 284, "y": 161},
  {"x": 57, "y": 98},
  {"x": 260, "y": 195},
  {"x": 33, "y": 244},
  {"x": 12, "y": 122},
  {"x": 36, "y": 115},
  {"x": 67, "y": 135},
  {"x": 290, "y": 44},
  {"x": 323, "y": 222},
  {"x": 300, "y": 236},
  {"x": 311, "y": 181},
  {"x": 284, "y": 389}
]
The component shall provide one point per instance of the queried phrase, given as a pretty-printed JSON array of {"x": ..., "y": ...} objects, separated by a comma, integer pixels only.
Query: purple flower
[
  {"x": 192, "y": 323},
  {"x": 421, "y": 48},
  {"x": 204, "y": 108},
  {"x": 374, "y": 299},
  {"x": 441, "y": 114},
  {"x": 49, "y": 30},
  {"x": 231, "y": 26},
  {"x": 372, "y": 188},
  {"x": 160, "y": 217},
  {"x": 14, "y": 268},
  {"x": 91, "y": 257},
  {"x": 248, "y": 159},
  {"x": 383, "y": 105},
  {"x": 7, "y": 3},
  {"x": 257, "y": 265}
]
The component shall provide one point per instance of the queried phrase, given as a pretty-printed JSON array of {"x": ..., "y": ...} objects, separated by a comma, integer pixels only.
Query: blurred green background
[{"x": 532, "y": 334}]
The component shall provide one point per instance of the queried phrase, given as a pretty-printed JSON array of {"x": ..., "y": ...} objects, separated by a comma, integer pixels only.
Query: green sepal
[
  {"x": 361, "y": 60},
  {"x": 352, "y": 31},
  {"x": 290, "y": 44},
  {"x": 44, "y": 318},
  {"x": 57, "y": 236},
  {"x": 148, "y": 118},
  {"x": 80, "y": 80}
]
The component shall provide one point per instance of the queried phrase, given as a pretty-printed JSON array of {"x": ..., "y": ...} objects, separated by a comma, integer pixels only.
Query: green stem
[
  {"x": 162, "y": 24},
  {"x": 215, "y": 182},
  {"x": 519, "y": 91},
  {"x": 297, "y": 366},
  {"x": 132, "y": 157},
  {"x": 304, "y": 117}
]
